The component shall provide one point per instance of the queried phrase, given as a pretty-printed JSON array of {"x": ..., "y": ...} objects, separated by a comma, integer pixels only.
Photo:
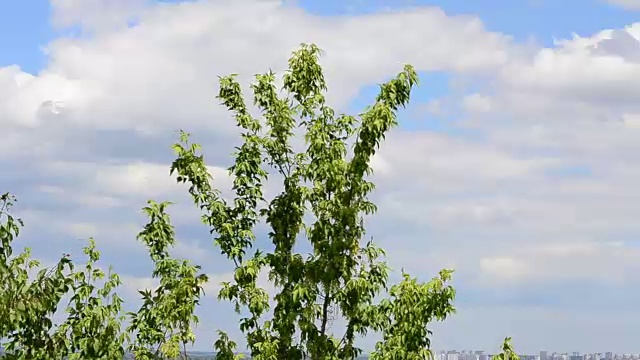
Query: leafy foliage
[
  {"x": 328, "y": 182},
  {"x": 163, "y": 323},
  {"x": 92, "y": 327},
  {"x": 323, "y": 203},
  {"x": 507, "y": 353}
]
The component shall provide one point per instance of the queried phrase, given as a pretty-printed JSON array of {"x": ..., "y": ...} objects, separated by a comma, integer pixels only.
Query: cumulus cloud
[
  {"x": 96, "y": 15},
  {"x": 591, "y": 261},
  {"x": 626, "y": 4},
  {"x": 543, "y": 191},
  {"x": 139, "y": 77}
]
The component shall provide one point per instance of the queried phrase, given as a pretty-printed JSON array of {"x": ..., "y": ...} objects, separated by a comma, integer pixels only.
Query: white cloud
[
  {"x": 592, "y": 71},
  {"x": 82, "y": 199},
  {"x": 96, "y": 15},
  {"x": 476, "y": 103},
  {"x": 626, "y": 4},
  {"x": 164, "y": 70},
  {"x": 611, "y": 263},
  {"x": 444, "y": 163},
  {"x": 114, "y": 184},
  {"x": 510, "y": 205}
]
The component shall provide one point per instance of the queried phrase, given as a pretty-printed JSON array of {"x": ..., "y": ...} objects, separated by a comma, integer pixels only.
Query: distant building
[
  {"x": 576, "y": 356},
  {"x": 470, "y": 356}
]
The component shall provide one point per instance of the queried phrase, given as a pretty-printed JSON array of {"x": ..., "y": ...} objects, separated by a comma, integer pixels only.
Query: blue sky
[
  {"x": 513, "y": 178},
  {"x": 24, "y": 29}
]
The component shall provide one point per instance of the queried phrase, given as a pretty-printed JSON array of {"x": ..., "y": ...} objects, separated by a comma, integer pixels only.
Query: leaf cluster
[{"x": 507, "y": 353}]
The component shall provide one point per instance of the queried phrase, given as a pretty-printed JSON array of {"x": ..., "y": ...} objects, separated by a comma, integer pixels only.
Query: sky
[{"x": 516, "y": 163}]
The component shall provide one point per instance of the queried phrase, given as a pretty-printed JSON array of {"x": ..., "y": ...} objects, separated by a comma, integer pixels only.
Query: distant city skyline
[{"x": 540, "y": 355}]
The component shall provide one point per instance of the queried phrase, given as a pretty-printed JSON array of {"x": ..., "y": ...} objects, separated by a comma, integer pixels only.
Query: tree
[
  {"x": 341, "y": 277},
  {"x": 162, "y": 325},
  {"x": 507, "y": 353},
  {"x": 92, "y": 327},
  {"x": 328, "y": 182}
]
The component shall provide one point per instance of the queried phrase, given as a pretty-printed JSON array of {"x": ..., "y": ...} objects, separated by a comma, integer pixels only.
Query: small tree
[
  {"x": 162, "y": 325},
  {"x": 507, "y": 353},
  {"x": 92, "y": 327},
  {"x": 328, "y": 182}
]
